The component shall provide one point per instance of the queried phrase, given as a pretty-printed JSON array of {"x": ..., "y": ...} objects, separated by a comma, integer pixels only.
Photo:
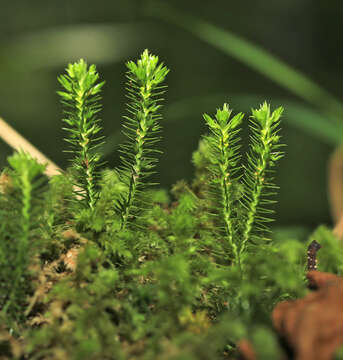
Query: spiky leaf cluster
[
  {"x": 243, "y": 221},
  {"x": 258, "y": 180},
  {"x": 141, "y": 128},
  {"x": 224, "y": 165},
  {"x": 81, "y": 101}
]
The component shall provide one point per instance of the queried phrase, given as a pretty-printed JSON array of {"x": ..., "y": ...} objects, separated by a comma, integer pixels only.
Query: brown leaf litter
[{"x": 311, "y": 327}]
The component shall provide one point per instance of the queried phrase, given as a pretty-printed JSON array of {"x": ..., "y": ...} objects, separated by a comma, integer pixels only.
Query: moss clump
[{"x": 97, "y": 264}]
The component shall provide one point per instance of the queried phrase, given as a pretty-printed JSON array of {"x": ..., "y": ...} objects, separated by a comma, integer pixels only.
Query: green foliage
[
  {"x": 338, "y": 353},
  {"x": 17, "y": 243},
  {"x": 224, "y": 166},
  {"x": 330, "y": 256},
  {"x": 87, "y": 328},
  {"x": 81, "y": 101},
  {"x": 141, "y": 129},
  {"x": 136, "y": 273},
  {"x": 258, "y": 184},
  {"x": 242, "y": 223},
  {"x": 266, "y": 342}
]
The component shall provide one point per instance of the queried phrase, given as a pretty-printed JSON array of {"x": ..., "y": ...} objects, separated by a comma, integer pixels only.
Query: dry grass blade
[{"x": 18, "y": 142}]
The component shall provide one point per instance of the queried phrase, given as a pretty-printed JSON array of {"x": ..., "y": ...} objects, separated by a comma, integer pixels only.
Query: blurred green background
[{"x": 287, "y": 52}]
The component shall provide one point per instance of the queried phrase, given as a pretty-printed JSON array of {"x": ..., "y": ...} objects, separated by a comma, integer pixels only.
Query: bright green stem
[
  {"x": 26, "y": 190},
  {"x": 223, "y": 156},
  {"x": 225, "y": 187},
  {"x": 261, "y": 157},
  {"x": 144, "y": 91},
  {"x": 81, "y": 100},
  {"x": 142, "y": 133},
  {"x": 259, "y": 175},
  {"x": 84, "y": 142}
]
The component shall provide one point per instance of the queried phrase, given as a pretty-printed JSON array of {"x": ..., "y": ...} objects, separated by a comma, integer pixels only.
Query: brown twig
[
  {"x": 312, "y": 255},
  {"x": 17, "y": 142}
]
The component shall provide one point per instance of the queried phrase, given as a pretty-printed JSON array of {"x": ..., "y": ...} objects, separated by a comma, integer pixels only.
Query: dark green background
[{"x": 38, "y": 39}]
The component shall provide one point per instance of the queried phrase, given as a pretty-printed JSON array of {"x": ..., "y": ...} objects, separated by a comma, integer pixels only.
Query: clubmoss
[{"x": 98, "y": 264}]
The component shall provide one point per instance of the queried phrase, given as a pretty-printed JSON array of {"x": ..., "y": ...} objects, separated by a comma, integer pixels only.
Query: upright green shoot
[
  {"x": 141, "y": 128},
  {"x": 18, "y": 246},
  {"x": 81, "y": 101},
  {"x": 224, "y": 165},
  {"x": 242, "y": 222},
  {"x": 258, "y": 182}
]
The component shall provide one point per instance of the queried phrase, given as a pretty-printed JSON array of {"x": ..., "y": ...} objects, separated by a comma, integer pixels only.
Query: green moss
[{"x": 117, "y": 269}]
